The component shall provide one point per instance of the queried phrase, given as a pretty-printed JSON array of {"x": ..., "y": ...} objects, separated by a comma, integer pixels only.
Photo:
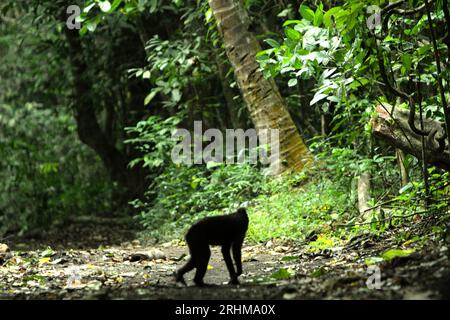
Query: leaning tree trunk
[
  {"x": 266, "y": 106},
  {"x": 393, "y": 128}
]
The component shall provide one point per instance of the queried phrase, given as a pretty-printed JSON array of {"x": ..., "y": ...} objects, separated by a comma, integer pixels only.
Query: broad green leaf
[
  {"x": 289, "y": 22},
  {"x": 292, "y": 82},
  {"x": 306, "y": 13},
  {"x": 272, "y": 43},
  {"x": 292, "y": 34},
  {"x": 318, "y": 17},
  {"x": 327, "y": 16}
]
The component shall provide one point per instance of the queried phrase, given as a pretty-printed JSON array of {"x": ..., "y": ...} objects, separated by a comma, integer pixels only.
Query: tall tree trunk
[
  {"x": 89, "y": 130},
  {"x": 266, "y": 106}
]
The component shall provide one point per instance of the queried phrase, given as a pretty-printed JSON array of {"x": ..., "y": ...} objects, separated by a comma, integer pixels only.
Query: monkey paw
[
  {"x": 234, "y": 281},
  {"x": 179, "y": 278}
]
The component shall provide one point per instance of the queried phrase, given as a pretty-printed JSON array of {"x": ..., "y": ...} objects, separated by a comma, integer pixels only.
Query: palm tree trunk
[{"x": 266, "y": 106}]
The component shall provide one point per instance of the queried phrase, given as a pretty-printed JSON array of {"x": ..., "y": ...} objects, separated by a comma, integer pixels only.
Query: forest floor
[{"x": 103, "y": 260}]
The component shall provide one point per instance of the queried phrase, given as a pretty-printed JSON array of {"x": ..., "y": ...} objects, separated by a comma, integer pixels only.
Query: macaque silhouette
[{"x": 227, "y": 231}]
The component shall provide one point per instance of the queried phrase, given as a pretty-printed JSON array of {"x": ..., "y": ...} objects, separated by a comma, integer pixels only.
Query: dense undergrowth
[{"x": 320, "y": 203}]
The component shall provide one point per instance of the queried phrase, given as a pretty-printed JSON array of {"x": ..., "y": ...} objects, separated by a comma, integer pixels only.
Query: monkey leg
[
  {"x": 227, "y": 257},
  {"x": 201, "y": 255},
  {"x": 191, "y": 263},
  {"x": 186, "y": 268},
  {"x": 236, "y": 248}
]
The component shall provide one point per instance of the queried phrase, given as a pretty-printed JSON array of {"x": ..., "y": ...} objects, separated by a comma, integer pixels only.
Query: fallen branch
[{"x": 392, "y": 127}]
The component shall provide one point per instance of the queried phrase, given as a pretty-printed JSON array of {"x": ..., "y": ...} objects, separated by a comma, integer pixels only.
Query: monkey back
[{"x": 219, "y": 230}]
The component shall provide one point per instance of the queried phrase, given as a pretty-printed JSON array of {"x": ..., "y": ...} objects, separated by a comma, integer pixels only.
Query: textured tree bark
[
  {"x": 396, "y": 132},
  {"x": 266, "y": 106},
  {"x": 88, "y": 128}
]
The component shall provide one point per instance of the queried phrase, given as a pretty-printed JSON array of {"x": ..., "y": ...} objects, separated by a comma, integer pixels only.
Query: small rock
[
  {"x": 135, "y": 257},
  {"x": 281, "y": 249},
  {"x": 158, "y": 254},
  {"x": 129, "y": 274},
  {"x": 173, "y": 243},
  {"x": 153, "y": 254},
  {"x": 290, "y": 296},
  {"x": 125, "y": 244},
  {"x": 136, "y": 243},
  {"x": 3, "y": 248}
]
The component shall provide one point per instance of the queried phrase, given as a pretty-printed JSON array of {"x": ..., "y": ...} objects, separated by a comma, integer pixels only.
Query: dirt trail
[{"x": 123, "y": 268}]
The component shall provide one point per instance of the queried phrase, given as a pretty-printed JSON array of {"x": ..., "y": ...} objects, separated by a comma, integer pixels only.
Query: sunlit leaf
[
  {"x": 395, "y": 253},
  {"x": 105, "y": 6}
]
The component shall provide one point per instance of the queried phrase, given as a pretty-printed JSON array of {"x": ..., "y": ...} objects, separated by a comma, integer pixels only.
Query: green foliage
[
  {"x": 43, "y": 170},
  {"x": 336, "y": 50},
  {"x": 153, "y": 140},
  {"x": 293, "y": 212},
  {"x": 183, "y": 194},
  {"x": 95, "y": 11},
  {"x": 172, "y": 67},
  {"x": 313, "y": 50}
]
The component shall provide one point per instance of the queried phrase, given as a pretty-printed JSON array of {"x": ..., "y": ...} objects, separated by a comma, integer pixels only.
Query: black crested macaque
[{"x": 227, "y": 231}]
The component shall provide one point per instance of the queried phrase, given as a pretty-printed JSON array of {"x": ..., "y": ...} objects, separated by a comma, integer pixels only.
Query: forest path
[{"x": 106, "y": 262}]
